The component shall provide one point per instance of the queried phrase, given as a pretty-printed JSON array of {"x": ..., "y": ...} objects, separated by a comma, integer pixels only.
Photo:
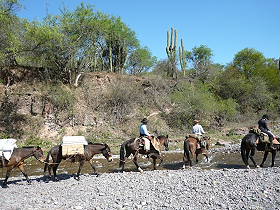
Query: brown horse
[
  {"x": 90, "y": 150},
  {"x": 132, "y": 146},
  {"x": 190, "y": 149},
  {"x": 17, "y": 160}
]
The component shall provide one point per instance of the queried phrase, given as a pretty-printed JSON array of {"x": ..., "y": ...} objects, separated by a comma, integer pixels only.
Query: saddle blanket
[
  {"x": 7, "y": 147},
  {"x": 72, "y": 145}
]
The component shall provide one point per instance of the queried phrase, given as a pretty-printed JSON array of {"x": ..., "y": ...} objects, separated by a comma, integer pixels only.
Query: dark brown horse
[
  {"x": 191, "y": 150},
  {"x": 249, "y": 146},
  {"x": 90, "y": 150},
  {"x": 17, "y": 160},
  {"x": 133, "y": 147}
]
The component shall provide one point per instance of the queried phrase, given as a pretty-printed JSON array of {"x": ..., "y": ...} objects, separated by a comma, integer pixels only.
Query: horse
[
  {"x": 190, "y": 149},
  {"x": 132, "y": 146},
  {"x": 90, "y": 150},
  {"x": 248, "y": 148},
  {"x": 17, "y": 160}
]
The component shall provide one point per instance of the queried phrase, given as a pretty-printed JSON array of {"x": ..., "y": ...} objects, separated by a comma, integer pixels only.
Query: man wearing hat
[
  {"x": 198, "y": 131},
  {"x": 264, "y": 128},
  {"x": 144, "y": 133}
]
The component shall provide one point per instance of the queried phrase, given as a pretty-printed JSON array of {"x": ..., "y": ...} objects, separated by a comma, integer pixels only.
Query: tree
[
  {"x": 9, "y": 25},
  {"x": 248, "y": 61},
  {"x": 141, "y": 60},
  {"x": 200, "y": 58}
]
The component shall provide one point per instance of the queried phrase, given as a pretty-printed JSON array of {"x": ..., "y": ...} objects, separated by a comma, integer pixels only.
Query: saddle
[
  {"x": 263, "y": 137},
  {"x": 146, "y": 143}
]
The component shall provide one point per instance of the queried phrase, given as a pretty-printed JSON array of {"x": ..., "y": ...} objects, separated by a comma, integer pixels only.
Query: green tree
[
  {"x": 141, "y": 60},
  {"x": 248, "y": 61},
  {"x": 200, "y": 58}
]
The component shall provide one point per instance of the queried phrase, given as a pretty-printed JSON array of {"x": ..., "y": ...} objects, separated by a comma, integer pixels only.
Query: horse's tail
[
  {"x": 243, "y": 150},
  {"x": 187, "y": 148},
  {"x": 122, "y": 154},
  {"x": 47, "y": 162}
]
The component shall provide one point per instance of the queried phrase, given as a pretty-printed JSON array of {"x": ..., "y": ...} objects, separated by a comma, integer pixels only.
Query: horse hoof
[
  {"x": 248, "y": 167},
  {"x": 140, "y": 170},
  {"x": 261, "y": 165},
  {"x": 183, "y": 167},
  {"x": 4, "y": 186},
  {"x": 257, "y": 166}
]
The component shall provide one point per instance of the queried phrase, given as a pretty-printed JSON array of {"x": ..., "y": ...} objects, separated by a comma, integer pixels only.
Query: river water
[{"x": 171, "y": 161}]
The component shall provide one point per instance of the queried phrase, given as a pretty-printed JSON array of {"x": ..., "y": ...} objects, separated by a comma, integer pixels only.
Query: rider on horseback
[
  {"x": 263, "y": 127},
  {"x": 198, "y": 131},
  {"x": 145, "y": 135}
]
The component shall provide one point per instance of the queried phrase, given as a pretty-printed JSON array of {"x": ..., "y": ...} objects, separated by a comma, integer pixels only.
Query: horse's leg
[
  {"x": 244, "y": 155},
  {"x": 154, "y": 162},
  {"x": 93, "y": 167},
  {"x": 273, "y": 153},
  {"x": 122, "y": 162},
  {"x": 80, "y": 168},
  {"x": 247, "y": 158},
  {"x": 54, "y": 168},
  {"x": 9, "y": 169},
  {"x": 196, "y": 158},
  {"x": 156, "y": 156},
  {"x": 135, "y": 158},
  {"x": 21, "y": 168},
  {"x": 264, "y": 158},
  {"x": 253, "y": 151},
  {"x": 206, "y": 156}
]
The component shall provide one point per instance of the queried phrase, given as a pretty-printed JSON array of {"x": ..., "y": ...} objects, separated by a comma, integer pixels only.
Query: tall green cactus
[
  {"x": 183, "y": 57},
  {"x": 171, "y": 50}
]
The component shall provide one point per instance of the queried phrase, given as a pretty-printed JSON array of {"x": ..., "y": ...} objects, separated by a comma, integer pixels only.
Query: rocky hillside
[{"x": 102, "y": 106}]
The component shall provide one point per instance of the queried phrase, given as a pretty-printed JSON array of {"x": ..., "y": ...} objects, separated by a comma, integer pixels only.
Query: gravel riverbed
[{"x": 192, "y": 188}]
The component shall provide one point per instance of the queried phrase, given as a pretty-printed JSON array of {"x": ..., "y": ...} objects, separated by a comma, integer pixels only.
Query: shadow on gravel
[{"x": 46, "y": 179}]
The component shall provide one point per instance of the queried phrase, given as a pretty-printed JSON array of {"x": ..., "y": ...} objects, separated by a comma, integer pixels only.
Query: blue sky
[{"x": 225, "y": 26}]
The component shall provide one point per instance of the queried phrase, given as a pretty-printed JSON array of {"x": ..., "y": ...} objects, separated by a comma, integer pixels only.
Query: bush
[{"x": 197, "y": 102}]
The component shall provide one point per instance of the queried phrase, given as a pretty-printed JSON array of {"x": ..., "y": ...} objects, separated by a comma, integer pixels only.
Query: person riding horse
[
  {"x": 198, "y": 131},
  {"x": 264, "y": 128},
  {"x": 146, "y": 138}
]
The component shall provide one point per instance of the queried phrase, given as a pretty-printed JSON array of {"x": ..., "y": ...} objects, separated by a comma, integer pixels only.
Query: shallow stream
[{"x": 171, "y": 161}]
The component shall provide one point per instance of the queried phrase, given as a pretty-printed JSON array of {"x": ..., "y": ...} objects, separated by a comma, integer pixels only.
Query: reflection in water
[{"x": 171, "y": 161}]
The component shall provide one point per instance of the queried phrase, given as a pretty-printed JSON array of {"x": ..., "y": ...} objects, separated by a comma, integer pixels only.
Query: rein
[{"x": 42, "y": 161}]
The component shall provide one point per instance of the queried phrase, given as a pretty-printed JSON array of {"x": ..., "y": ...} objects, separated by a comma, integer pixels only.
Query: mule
[
  {"x": 191, "y": 150},
  {"x": 248, "y": 148},
  {"x": 132, "y": 146},
  {"x": 89, "y": 151},
  {"x": 17, "y": 159}
]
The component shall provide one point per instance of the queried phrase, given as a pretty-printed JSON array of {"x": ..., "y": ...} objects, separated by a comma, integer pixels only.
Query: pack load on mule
[
  {"x": 75, "y": 149},
  {"x": 17, "y": 156},
  {"x": 73, "y": 145},
  {"x": 6, "y": 148}
]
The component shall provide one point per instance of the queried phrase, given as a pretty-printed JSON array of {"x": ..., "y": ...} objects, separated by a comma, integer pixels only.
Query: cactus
[
  {"x": 183, "y": 57},
  {"x": 171, "y": 50}
]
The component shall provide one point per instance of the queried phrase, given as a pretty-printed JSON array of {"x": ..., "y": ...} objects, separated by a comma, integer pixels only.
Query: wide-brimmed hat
[
  {"x": 196, "y": 121},
  {"x": 144, "y": 120}
]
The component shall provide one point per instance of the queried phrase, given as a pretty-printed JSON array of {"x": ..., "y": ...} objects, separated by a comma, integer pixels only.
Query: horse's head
[
  {"x": 38, "y": 153},
  {"x": 107, "y": 153},
  {"x": 205, "y": 142},
  {"x": 164, "y": 141}
]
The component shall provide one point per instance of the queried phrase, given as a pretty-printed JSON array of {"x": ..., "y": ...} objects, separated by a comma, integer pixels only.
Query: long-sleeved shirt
[
  {"x": 263, "y": 125},
  {"x": 197, "y": 129},
  {"x": 143, "y": 130}
]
